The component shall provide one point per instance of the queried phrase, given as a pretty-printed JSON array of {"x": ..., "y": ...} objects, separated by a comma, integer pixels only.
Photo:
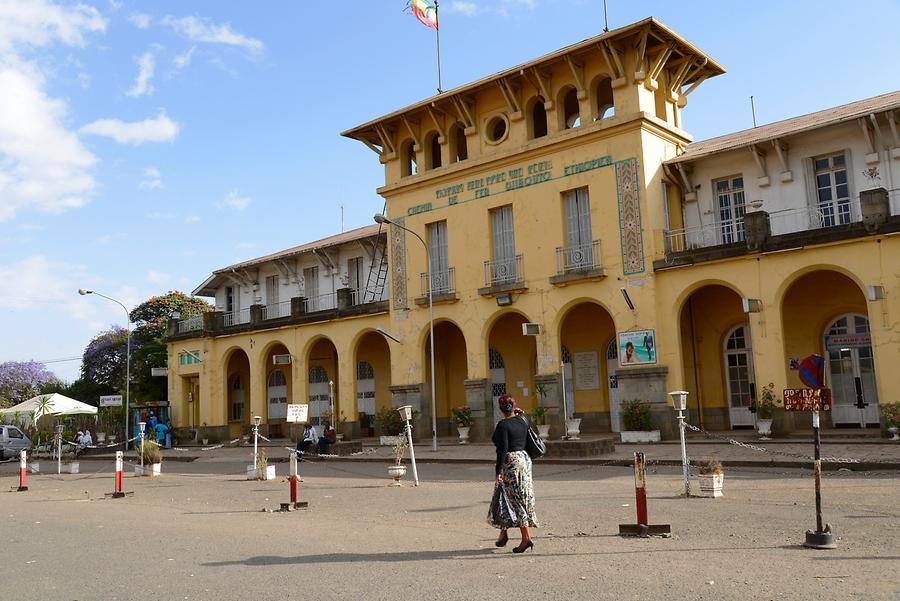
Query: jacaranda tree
[{"x": 21, "y": 380}]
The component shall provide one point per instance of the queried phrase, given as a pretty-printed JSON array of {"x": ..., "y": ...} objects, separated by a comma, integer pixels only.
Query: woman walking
[{"x": 513, "y": 502}]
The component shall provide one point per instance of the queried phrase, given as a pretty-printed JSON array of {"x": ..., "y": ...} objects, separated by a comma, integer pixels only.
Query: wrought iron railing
[
  {"x": 504, "y": 271},
  {"x": 276, "y": 310},
  {"x": 323, "y": 302},
  {"x": 442, "y": 281},
  {"x": 578, "y": 257},
  {"x": 235, "y": 318},
  {"x": 193, "y": 323}
]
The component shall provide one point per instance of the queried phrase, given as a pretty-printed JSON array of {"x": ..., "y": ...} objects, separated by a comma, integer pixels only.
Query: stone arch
[
  {"x": 433, "y": 159},
  {"x": 276, "y": 397},
  {"x": 519, "y": 352},
  {"x": 238, "y": 386},
  {"x": 603, "y": 103},
  {"x": 537, "y": 119},
  {"x": 408, "y": 161},
  {"x": 568, "y": 108},
  {"x": 459, "y": 145},
  {"x": 451, "y": 370},
  {"x": 372, "y": 382},
  {"x": 321, "y": 356}
]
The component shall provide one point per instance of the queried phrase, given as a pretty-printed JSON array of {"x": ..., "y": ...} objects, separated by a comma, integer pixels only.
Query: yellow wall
[
  {"x": 449, "y": 367},
  {"x": 589, "y": 328},
  {"x": 374, "y": 349},
  {"x": 518, "y": 354}
]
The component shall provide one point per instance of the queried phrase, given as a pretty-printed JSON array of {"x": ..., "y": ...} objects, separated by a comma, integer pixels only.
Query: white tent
[{"x": 49, "y": 404}]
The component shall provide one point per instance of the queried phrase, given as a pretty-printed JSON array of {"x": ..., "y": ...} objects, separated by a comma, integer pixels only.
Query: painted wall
[{"x": 589, "y": 328}]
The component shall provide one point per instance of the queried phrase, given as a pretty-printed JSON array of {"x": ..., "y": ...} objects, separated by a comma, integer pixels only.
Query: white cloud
[
  {"x": 40, "y": 22},
  {"x": 140, "y": 20},
  {"x": 192, "y": 219},
  {"x": 161, "y": 129},
  {"x": 469, "y": 9},
  {"x": 505, "y": 8},
  {"x": 201, "y": 30},
  {"x": 155, "y": 277},
  {"x": 146, "y": 66},
  {"x": 233, "y": 200},
  {"x": 183, "y": 60},
  {"x": 152, "y": 179},
  {"x": 39, "y": 281}
]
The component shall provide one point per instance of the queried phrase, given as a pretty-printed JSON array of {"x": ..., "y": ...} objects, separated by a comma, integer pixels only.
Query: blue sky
[{"x": 144, "y": 144}]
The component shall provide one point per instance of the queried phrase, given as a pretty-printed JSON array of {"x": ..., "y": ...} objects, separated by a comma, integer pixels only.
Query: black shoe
[
  {"x": 502, "y": 540},
  {"x": 521, "y": 549}
]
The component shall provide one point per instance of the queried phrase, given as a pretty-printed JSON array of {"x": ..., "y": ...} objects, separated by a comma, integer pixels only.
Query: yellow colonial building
[{"x": 581, "y": 252}]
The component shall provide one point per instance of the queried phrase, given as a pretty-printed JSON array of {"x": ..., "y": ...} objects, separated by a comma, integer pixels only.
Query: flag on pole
[{"x": 425, "y": 11}]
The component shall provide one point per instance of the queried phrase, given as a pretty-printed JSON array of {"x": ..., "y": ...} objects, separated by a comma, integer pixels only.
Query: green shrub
[{"x": 636, "y": 415}]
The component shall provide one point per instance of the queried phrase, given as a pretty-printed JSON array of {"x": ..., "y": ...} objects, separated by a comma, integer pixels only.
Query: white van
[{"x": 12, "y": 441}]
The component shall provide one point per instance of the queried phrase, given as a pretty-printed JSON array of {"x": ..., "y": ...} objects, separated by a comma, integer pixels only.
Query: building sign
[
  {"x": 523, "y": 176},
  {"x": 637, "y": 347},
  {"x": 587, "y": 375},
  {"x": 111, "y": 400},
  {"x": 297, "y": 413},
  {"x": 807, "y": 399},
  {"x": 833, "y": 343}
]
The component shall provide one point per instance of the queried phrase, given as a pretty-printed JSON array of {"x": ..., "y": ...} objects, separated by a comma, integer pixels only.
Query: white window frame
[
  {"x": 730, "y": 229},
  {"x": 835, "y": 217}
]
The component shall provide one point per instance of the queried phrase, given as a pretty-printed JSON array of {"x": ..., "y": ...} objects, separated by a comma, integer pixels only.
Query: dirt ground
[{"x": 203, "y": 533}]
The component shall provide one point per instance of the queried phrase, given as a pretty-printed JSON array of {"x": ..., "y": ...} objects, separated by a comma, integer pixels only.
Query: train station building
[{"x": 581, "y": 250}]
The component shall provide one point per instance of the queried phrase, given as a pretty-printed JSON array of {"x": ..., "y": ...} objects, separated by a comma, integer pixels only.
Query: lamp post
[
  {"x": 379, "y": 218},
  {"x": 679, "y": 401},
  {"x": 406, "y": 413},
  {"x": 85, "y": 291},
  {"x": 256, "y": 420}
]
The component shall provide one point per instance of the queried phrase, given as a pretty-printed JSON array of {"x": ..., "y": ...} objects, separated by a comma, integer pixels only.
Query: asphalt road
[{"x": 202, "y": 533}]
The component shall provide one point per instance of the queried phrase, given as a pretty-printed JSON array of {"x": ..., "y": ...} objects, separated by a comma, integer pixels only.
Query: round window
[{"x": 497, "y": 128}]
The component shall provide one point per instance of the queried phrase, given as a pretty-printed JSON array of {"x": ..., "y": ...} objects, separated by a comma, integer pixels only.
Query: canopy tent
[{"x": 49, "y": 404}]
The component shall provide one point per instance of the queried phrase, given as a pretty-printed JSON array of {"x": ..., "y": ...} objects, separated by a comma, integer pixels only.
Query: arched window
[
  {"x": 319, "y": 394},
  {"x": 408, "y": 159},
  {"x": 538, "y": 126},
  {"x": 603, "y": 94},
  {"x": 571, "y": 109},
  {"x": 434, "y": 151},
  {"x": 276, "y": 388},
  {"x": 236, "y": 406},
  {"x": 459, "y": 147},
  {"x": 317, "y": 374},
  {"x": 365, "y": 388},
  {"x": 739, "y": 375}
]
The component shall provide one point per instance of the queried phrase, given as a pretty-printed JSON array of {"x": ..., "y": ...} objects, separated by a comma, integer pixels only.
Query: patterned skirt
[{"x": 513, "y": 503}]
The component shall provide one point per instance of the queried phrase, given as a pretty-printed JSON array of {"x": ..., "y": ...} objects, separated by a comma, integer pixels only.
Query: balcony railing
[
  {"x": 235, "y": 318},
  {"x": 323, "y": 302},
  {"x": 194, "y": 323},
  {"x": 504, "y": 271},
  {"x": 442, "y": 282},
  {"x": 276, "y": 310},
  {"x": 361, "y": 296},
  {"x": 578, "y": 257}
]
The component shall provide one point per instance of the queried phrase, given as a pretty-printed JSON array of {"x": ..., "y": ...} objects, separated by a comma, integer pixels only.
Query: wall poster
[{"x": 637, "y": 347}]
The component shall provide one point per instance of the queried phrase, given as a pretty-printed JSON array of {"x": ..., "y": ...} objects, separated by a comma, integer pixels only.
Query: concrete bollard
[
  {"x": 294, "y": 480},
  {"x": 23, "y": 469},
  {"x": 643, "y": 527}
]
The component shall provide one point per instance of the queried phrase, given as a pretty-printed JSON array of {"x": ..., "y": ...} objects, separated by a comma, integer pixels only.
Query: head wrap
[{"x": 506, "y": 403}]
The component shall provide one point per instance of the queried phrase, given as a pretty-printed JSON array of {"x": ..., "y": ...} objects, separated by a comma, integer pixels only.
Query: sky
[{"x": 144, "y": 144}]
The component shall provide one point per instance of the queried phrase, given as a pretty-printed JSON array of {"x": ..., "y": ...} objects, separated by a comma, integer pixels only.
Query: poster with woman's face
[{"x": 637, "y": 347}]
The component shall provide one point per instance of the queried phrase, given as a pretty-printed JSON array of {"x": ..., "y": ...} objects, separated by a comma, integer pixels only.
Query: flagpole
[{"x": 437, "y": 31}]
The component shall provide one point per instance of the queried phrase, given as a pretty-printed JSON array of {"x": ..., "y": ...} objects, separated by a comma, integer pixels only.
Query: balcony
[
  {"x": 577, "y": 262},
  {"x": 503, "y": 275},
  {"x": 322, "y": 302},
  {"x": 443, "y": 286},
  {"x": 276, "y": 310},
  {"x": 193, "y": 323},
  {"x": 236, "y": 318},
  {"x": 759, "y": 231}
]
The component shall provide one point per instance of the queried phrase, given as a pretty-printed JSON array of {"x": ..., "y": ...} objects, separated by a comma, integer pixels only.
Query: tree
[
  {"x": 152, "y": 316},
  {"x": 104, "y": 361},
  {"x": 21, "y": 380}
]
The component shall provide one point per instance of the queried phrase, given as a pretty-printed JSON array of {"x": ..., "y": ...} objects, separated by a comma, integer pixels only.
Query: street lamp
[
  {"x": 679, "y": 402},
  {"x": 379, "y": 218},
  {"x": 84, "y": 292}
]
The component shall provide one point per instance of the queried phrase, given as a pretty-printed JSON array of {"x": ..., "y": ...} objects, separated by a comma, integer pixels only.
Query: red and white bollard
[
  {"x": 294, "y": 480},
  {"x": 643, "y": 526},
  {"x": 23, "y": 469},
  {"x": 118, "y": 494}
]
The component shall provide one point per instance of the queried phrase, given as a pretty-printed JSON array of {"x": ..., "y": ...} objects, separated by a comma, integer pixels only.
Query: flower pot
[
  {"x": 463, "y": 434},
  {"x": 339, "y": 436},
  {"x": 389, "y": 441},
  {"x": 640, "y": 436},
  {"x": 35, "y": 467},
  {"x": 396, "y": 472},
  {"x": 112, "y": 438},
  {"x": 764, "y": 427},
  {"x": 101, "y": 436},
  {"x": 893, "y": 430},
  {"x": 544, "y": 431},
  {"x": 149, "y": 469},
  {"x": 73, "y": 467},
  {"x": 269, "y": 473},
  {"x": 573, "y": 428},
  {"x": 205, "y": 441},
  {"x": 710, "y": 485}
]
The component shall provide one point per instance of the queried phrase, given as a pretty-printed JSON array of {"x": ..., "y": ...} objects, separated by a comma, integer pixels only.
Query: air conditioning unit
[
  {"x": 531, "y": 329},
  {"x": 281, "y": 359}
]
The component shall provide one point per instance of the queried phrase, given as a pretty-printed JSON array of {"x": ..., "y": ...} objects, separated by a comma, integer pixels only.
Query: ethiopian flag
[{"x": 425, "y": 12}]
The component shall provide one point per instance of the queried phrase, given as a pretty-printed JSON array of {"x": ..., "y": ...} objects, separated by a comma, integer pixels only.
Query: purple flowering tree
[
  {"x": 21, "y": 380},
  {"x": 103, "y": 362}
]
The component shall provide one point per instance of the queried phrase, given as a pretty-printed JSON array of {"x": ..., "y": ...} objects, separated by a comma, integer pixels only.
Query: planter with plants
[
  {"x": 573, "y": 428},
  {"x": 398, "y": 470},
  {"x": 152, "y": 459},
  {"x": 539, "y": 415},
  {"x": 638, "y": 422},
  {"x": 710, "y": 478},
  {"x": 765, "y": 410},
  {"x": 262, "y": 470},
  {"x": 390, "y": 426},
  {"x": 463, "y": 418},
  {"x": 341, "y": 428},
  {"x": 205, "y": 441},
  {"x": 891, "y": 414}
]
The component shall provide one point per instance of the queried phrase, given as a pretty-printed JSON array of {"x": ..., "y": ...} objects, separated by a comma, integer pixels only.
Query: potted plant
[
  {"x": 262, "y": 470},
  {"x": 463, "y": 418},
  {"x": 765, "y": 409},
  {"x": 638, "y": 422},
  {"x": 539, "y": 415},
  {"x": 152, "y": 459},
  {"x": 891, "y": 414},
  {"x": 710, "y": 478},
  {"x": 390, "y": 425},
  {"x": 341, "y": 427},
  {"x": 398, "y": 470}
]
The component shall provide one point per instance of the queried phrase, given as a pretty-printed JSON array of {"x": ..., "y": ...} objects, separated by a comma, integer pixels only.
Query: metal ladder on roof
[{"x": 375, "y": 290}]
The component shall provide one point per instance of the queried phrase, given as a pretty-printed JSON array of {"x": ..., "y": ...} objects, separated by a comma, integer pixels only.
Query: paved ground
[{"x": 199, "y": 532}]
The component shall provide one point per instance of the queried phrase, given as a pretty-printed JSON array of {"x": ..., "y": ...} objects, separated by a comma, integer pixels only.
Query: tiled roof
[{"x": 794, "y": 125}]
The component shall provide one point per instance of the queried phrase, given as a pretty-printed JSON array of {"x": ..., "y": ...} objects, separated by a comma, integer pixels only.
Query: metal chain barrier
[{"x": 759, "y": 449}]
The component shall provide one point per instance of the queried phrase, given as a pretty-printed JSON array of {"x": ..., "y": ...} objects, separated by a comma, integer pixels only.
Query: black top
[{"x": 509, "y": 436}]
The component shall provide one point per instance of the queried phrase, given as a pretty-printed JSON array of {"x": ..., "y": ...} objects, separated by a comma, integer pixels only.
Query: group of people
[{"x": 311, "y": 438}]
